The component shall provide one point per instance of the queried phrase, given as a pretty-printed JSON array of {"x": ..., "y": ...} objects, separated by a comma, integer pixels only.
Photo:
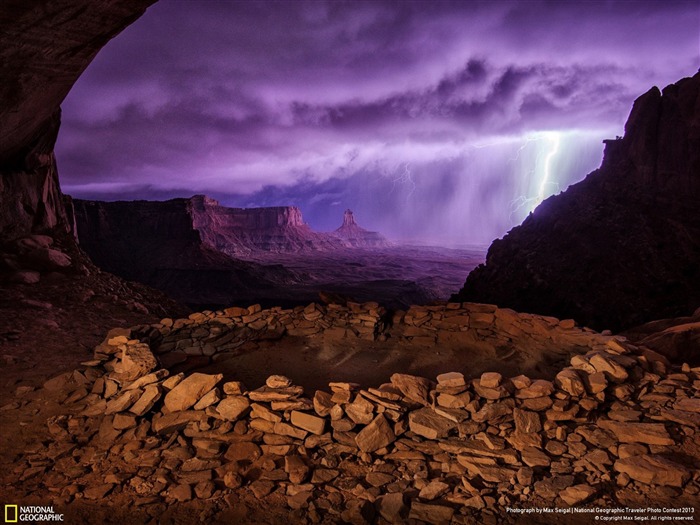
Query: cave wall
[{"x": 45, "y": 45}]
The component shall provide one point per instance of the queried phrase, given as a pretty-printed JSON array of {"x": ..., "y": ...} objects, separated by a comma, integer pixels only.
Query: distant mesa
[
  {"x": 198, "y": 241},
  {"x": 357, "y": 237}
]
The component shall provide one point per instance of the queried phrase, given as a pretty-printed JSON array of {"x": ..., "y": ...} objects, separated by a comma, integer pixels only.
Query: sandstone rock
[
  {"x": 324, "y": 475},
  {"x": 378, "y": 434},
  {"x": 358, "y": 511},
  {"x": 495, "y": 412},
  {"x": 233, "y": 407},
  {"x": 322, "y": 403},
  {"x": 648, "y": 433},
  {"x": 234, "y": 388},
  {"x": 688, "y": 404},
  {"x": 526, "y": 421},
  {"x": 261, "y": 488},
  {"x": 266, "y": 394},
  {"x": 276, "y": 381},
  {"x": 570, "y": 382},
  {"x": 98, "y": 491},
  {"x": 433, "y": 514},
  {"x": 288, "y": 430},
  {"x": 690, "y": 419},
  {"x": 653, "y": 469},
  {"x": 148, "y": 379},
  {"x": 378, "y": 479},
  {"x": 492, "y": 393},
  {"x": 361, "y": 411},
  {"x": 301, "y": 404},
  {"x": 169, "y": 423},
  {"x": 490, "y": 380},
  {"x": 204, "y": 489},
  {"x": 607, "y": 365},
  {"x": 433, "y": 490},
  {"x": 123, "y": 421},
  {"x": 313, "y": 424},
  {"x": 425, "y": 422},
  {"x": 296, "y": 468},
  {"x": 626, "y": 450},
  {"x": 454, "y": 401},
  {"x": 451, "y": 379},
  {"x": 300, "y": 500},
  {"x": 208, "y": 399},
  {"x": 576, "y": 494},
  {"x": 534, "y": 457},
  {"x": 596, "y": 382},
  {"x": 182, "y": 492},
  {"x": 550, "y": 488},
  {"x": 261, "y": 412},
  {"x": 414, "y": 388},
  {"x": 489, "y": 473},
  {"x": 136, "y": 360},
  {"x": 190, "y": 390},
  {"x": 173, "y": 381},
  {"x": 123, "y": 401},
  {"x": 537, "y": 389},
  {"x": 232, "y": 480},
  {"x": 392, "y": 507},
  {"x": 453, "y": 414},
  {"x": 243, "y": 451}
]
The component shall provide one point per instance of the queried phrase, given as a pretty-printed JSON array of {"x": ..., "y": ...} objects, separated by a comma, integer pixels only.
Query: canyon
[
  {"x": 210, "y": 256},
  {"x": 120, "y": 404}
]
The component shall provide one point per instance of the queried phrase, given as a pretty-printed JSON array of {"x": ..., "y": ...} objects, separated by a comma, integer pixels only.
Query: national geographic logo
[{"x": 17, "y": 514}]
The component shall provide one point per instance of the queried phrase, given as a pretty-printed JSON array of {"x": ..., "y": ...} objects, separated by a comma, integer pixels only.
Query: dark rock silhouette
[{"x": 621, "y": 247}]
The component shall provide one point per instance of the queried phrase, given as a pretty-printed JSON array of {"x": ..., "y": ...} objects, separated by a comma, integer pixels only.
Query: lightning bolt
[
  {"x": 405, "y": 179},
  {"x": 554, "y": 139}
]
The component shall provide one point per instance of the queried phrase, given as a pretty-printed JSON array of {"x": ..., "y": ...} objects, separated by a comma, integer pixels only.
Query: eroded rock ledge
[{"x": 452, "y": 450}]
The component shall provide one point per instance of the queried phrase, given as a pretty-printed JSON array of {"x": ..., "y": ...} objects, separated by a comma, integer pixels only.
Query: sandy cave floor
[{"x": 313, "y": 363}]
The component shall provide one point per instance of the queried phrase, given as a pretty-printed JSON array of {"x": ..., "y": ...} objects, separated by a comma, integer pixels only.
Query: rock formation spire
[{"x": 348, "y": 218}]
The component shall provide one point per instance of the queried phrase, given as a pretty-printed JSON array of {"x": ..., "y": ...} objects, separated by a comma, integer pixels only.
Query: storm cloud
[{"x": 437, "y": 121}]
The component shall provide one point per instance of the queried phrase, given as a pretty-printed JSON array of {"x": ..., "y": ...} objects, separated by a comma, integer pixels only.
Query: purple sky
[{"x": 435, "y": 121}]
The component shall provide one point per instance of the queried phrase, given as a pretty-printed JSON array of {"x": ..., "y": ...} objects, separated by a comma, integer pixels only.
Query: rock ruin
[{"x": 450, "y": 449}]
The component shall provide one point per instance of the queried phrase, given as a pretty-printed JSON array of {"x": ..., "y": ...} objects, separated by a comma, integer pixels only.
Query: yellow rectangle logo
[{"x": 10, "y": 511}]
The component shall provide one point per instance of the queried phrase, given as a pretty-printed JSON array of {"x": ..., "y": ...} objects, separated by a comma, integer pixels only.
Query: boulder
[
  {"x": 190, "y": 390},
  {"x": 648, "y": 433},
  {"x": 136, "y": 360},
  {"x": 233, "y": 407},
  {"x": 425, "y": 422},
  {"x": 378, "y": 434},
  {"x": 414, "y": 388},
  {"x": 311, "y": 423},
  {"x": 653, "y": 470}
]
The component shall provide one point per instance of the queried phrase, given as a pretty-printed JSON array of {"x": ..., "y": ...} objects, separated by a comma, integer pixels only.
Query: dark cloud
[{"x": 315, "y": 102}]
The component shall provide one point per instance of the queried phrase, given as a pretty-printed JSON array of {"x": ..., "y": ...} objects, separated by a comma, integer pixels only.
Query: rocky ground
[{"x": 126, "y": 438}]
